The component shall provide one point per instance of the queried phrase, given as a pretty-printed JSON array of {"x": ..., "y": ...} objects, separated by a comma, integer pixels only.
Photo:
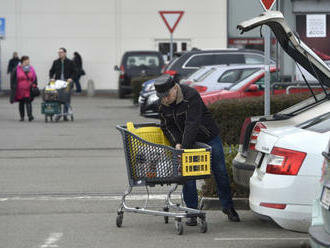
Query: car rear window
[
  {"x": 320, "y": 124},
  {"x": 236, "y": 75},
  {"x": 206, "y": 74},
  {"x": 142, "y": 60},
  {"x": 199, "y": 60}
]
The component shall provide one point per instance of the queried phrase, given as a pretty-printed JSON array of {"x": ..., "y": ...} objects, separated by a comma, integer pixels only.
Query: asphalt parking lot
[{"x": 60, "y": 186}]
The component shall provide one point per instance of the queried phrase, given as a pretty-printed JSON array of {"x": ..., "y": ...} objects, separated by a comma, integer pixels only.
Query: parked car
[
  {"x": 137, "y": 63},
  {"x": 191, "y": 61},
  {"x": 218, "y": 77},
  {"x": 243, "y": 164},
  {"x": 320, "y": 229},
  {"x": 288, "y": 164}
]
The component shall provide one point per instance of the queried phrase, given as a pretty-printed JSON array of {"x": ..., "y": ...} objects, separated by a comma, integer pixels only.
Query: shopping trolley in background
[{"x": 151, "y": 161}]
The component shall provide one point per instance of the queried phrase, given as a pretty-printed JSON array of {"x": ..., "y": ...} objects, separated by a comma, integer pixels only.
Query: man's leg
[
  {"x": 78, "y": 86},
  {"x": 221, "y": 178},
  {"x": 66, "y": 110},
  {"x": 190, "y": 197}
]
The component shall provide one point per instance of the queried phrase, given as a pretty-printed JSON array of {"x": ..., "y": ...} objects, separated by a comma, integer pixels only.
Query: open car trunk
[{"x": 292, "y": 45}]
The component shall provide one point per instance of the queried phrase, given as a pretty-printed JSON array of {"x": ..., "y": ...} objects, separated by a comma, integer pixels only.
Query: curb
[{"x": 210, "y": 203}]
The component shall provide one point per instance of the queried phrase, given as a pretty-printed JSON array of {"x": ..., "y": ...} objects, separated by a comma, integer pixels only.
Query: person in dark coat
[
  {"x": 185, "y": 120},
  {"x": 13, "y": 62},
  {"x": 23, "y": 77},
  {"x": 63, "y": 69},
  {"x": 79, "y": 70}
]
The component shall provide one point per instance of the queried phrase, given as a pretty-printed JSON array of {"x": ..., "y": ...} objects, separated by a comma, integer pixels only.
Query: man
[
  {"x": 13, "y": 62},
  {"x": 186, "y": 120},
  {"x": 63, "y": 69}
]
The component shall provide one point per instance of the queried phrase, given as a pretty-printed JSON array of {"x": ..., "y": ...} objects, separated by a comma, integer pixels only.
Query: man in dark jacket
[
  {"x": 63, "y": 69},
  {"x": 13, "y": 62},
  {"x": 186, "y": 120}
]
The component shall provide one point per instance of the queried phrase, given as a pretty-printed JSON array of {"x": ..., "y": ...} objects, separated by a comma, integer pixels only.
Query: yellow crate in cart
[{"x": 196, "y": 162}]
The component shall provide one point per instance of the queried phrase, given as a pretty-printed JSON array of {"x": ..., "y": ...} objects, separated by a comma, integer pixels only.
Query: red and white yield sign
[
  {"x": 267, "y": 4},
  {"x": 171, "y": 18}
]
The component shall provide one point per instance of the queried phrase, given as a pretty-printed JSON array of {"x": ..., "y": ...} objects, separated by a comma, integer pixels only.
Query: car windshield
[
  {"x": 205, "y": 74},
  {"x": 236, "y": 77},
  {"x": 320, "y": 124},
  {"x": 142, "y": 60}
]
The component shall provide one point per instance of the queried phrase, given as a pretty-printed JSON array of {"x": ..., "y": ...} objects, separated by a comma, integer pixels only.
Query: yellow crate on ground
[{"x": 196, "y": 162}]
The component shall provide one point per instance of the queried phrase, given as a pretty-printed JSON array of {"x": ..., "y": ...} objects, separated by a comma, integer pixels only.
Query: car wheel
[{"x": 121, "y": 93}]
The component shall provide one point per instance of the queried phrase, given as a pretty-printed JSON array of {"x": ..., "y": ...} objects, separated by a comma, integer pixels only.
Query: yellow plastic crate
[
  {"x": 196, "y": 162},
  {"x": 151, "y": 134}
]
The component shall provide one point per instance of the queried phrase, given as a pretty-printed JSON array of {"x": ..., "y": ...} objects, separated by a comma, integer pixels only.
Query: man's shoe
[
  {"x": 192, "y": 221},
  {"x": 232, "y": 214},
  {"x": 22, "y": 119},
  {"x": 31, "y": 118}
]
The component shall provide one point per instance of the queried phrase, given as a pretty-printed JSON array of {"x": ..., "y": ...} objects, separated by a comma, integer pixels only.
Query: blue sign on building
[{"x": 2, "y": 27}]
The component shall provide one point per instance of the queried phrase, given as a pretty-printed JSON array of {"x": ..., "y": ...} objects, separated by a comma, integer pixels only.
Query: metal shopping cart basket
[{"x": 151, "y": 161}]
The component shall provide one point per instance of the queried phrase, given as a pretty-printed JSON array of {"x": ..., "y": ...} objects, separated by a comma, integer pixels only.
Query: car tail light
[
  {"x": 122, "y": 72},
  {"x": 273, "y": 205},
  {"x": 285, "y": 162},
  {"x": 170, "y": 72},
  {"x": 247, "y": 121},
  {"x": 187, "y": 82},
  {"x": 255, "y": 133},
  {"x": 200, "y": 88}
]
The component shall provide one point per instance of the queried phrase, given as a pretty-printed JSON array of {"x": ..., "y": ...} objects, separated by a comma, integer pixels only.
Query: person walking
[
  {"x": 79, "y": 71},
  {"x": 13, "y": 62},
  {"x": 23, "y": 77},
  {"x": 186, "y": 120},
  {"x": 63, "y": 69}
]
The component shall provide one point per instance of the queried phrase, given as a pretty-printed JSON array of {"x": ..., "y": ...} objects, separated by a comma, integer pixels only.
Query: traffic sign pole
[{"x": 171, "y": 47}]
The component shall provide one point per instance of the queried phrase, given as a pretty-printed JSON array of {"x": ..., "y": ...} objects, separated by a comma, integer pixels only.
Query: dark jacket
[
  {"x": 187, "y": 120},
  {"x": 79, "y": 65},
  {"x": 69, "y": 69},
  {"x": 12, "y": 64}
]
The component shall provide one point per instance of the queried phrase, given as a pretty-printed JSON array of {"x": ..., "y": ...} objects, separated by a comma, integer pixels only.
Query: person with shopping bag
[
  {"x": 186, "y": 120},
  {"x": 23, "y": 85}
]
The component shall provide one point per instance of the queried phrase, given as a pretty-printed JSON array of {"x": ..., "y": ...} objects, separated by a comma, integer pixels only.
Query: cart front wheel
[
  {"x": 203, "y": 226},
  {"x": 179, "y": 227},
  {"x": 166, "y": 209},
  {"x": 119, "y": 219}
]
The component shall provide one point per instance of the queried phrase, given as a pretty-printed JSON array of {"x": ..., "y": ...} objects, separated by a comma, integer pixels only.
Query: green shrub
[
  {"x": 136, "y": 84},
  {"x": 230, "y": 114}
]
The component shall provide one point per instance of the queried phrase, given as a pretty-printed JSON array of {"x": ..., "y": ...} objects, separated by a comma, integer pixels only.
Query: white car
[
  {"x": 286, "y": 179},
  {"x": 288, "y": 160},
  {"x": 218, "y": 77}
]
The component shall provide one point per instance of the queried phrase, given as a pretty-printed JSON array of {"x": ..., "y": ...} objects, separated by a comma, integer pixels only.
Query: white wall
[{"x": 101, "y": 31}]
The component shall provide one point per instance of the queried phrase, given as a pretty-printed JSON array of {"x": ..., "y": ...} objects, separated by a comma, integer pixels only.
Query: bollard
[{"x": 90, "y": 88}]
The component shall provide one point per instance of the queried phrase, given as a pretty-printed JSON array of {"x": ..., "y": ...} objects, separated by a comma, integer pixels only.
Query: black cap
[{"x": 163, "y": 84}]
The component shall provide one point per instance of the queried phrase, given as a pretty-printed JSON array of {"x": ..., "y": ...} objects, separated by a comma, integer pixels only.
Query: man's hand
[{"x": 178, "y": 146}]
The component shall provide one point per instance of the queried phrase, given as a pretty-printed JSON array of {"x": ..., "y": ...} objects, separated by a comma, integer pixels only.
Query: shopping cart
[
  {"x": 151, "y": 161},
  {"x": 53, "y": 99}
]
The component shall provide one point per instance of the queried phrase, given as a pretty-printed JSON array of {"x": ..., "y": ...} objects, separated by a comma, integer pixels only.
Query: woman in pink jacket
[{"x": 22, "y": 79}]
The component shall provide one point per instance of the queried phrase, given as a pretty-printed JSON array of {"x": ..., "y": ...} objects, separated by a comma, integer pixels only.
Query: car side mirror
[
  {"x": 253, "y": 88},
  {"x": 116, "y": 68}
]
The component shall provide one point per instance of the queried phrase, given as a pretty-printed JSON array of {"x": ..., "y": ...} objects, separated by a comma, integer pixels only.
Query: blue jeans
[{"x": 218, "y": 167}]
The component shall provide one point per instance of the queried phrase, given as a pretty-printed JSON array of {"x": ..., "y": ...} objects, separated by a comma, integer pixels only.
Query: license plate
[
  {"x": 325, "y": 199},
  {"x": 258, "y": 159}
]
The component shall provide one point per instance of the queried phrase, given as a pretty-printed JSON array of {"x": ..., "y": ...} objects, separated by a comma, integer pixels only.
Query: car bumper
[
  {"x": 148, "y": 108},
  {"x": 297, "y": 214},
  {"x": 319, "y": 238},
  {"x": 242, "y": 171}
]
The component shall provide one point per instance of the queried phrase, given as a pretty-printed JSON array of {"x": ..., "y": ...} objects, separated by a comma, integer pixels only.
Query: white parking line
[
  {"x": 52, "y": 240},
  {"x": 257, "y": 239},
  {"x": 105, "y": 198}
]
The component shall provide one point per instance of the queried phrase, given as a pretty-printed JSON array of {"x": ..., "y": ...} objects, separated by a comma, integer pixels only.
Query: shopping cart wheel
[
  {"x": 46, "y": 118},
  {"x": 203, "y": 226},
  {"x": 166, "y": 217},
  {"x": 179, "y": 226},
  {"x": 57, "y": 118},
  {"x": 119, "y": 219}
]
